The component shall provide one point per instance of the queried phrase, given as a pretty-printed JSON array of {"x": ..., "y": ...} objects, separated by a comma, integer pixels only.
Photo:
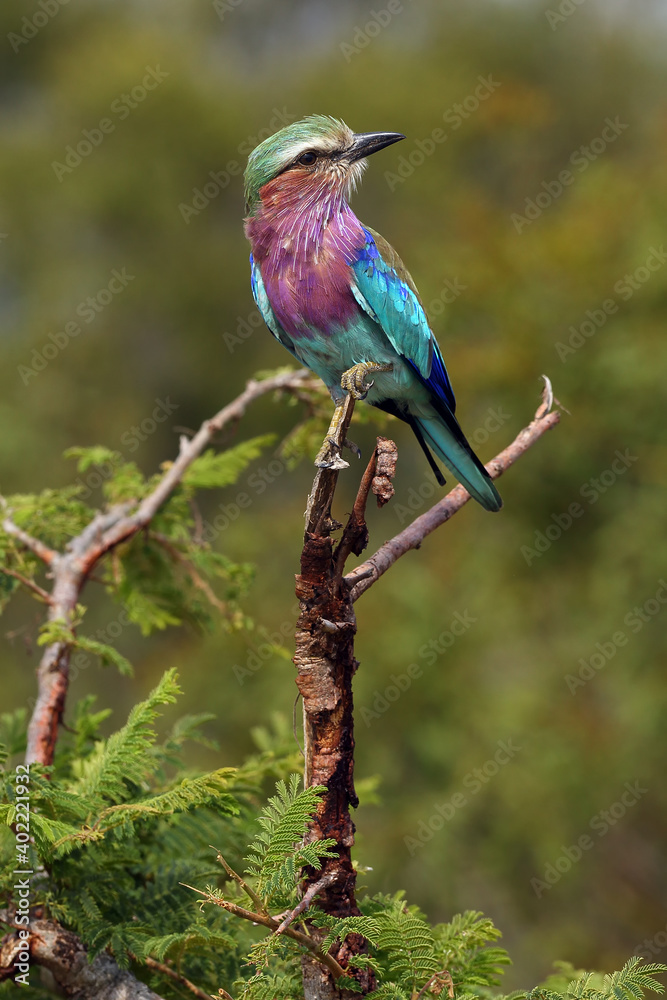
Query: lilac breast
[{"x": 305, "y": 265}]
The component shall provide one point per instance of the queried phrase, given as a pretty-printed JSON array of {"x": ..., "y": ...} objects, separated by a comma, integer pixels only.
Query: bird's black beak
[{"x": 366, "y": 143}]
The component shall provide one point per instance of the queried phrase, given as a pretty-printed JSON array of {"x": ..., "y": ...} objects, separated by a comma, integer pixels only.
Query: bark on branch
[
  {"x": 66, "y": 958},
  {"x": 325, "y": 662}
]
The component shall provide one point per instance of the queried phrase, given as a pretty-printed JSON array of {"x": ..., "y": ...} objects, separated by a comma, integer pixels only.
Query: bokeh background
[{"x": 521, "y": 273}]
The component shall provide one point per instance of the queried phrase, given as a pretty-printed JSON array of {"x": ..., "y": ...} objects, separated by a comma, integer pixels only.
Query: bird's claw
[
  {"x": 329, "y": 456},
  {"x": 351, "y": 446},
  {"x": 354, "y": 381}
]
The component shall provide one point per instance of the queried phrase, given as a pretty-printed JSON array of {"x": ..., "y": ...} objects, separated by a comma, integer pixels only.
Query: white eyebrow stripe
[{"x": 320, "y": 145}]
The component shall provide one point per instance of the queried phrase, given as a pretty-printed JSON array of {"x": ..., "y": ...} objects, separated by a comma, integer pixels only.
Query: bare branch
[
  {"x": 198, "y": 580},
  {"x": 368, "y": 572},
  {"x": 305, "y": 902},
  {"x": 108, "y": 529},
  {"x": 355, "y": 533},
  {"x": 66, "y": 958},
  {"x": 41, "y": 550},
  {"x": 165, "y": 970},
  {"x": 377, "y": 477},
  {"x": 249, "y": 891},
  {"x": 325, "y": 662},
  {"x": 29, "y": 584},
  {"x": 439, "y": 980},
  {"x": 126, "y": 527},
  {"x": 324, "y": 658},
  {"x": 268, "y": 921}
]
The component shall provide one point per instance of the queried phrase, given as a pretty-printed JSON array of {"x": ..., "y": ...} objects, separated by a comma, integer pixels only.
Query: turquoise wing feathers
[{"x": 386, "y": 292}]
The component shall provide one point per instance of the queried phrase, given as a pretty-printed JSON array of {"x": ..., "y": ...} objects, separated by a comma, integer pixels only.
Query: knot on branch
[{"x": 386, "y": 456}]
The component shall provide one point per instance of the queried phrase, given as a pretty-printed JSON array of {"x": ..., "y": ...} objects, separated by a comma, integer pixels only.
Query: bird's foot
[
  {"x": 354, "y": 379},
  {"x": 329, "y": 456}
]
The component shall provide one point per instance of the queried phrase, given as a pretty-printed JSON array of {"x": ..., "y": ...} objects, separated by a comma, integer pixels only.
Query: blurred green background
[{"x": 523, "y": 270}]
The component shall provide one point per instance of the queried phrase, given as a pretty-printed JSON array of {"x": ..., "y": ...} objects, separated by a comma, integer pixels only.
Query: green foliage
[
  {"x": 88, "y": 458},
  {"x": 163, "y": 577},
  {"x": 340, "y": 927},
  {"x": 119, "y": 823},
  {"x": 8, "y": 586},
  {"x": 406, "y": 945},
  {"x": 273, "y": 858},
  {"x": 218, "y": 469},
  {"x": 13, "y": 731},
  {"x": 272, "y": 986},
  {"x": 125, "y": 756},
  {"x": 55, "y": 516},
  {"x": 633, "y": 980},
  {"x": 59, "y": 631},
  {"x": 406, "y": 953},
  {"x": 464, "y": 946},
  {"x": 409, "y": 956},
  {"x": 409, "y": 953}
]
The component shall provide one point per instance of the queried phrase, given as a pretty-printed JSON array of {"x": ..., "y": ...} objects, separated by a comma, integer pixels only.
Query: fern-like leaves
[
  {"x": 628, "y": 984},
  {"x": 465, "y": 948},
  {"x": 126, "y": 755},
  {"x": 407, "y": 948},
  {"x": 279, "y": 852}
]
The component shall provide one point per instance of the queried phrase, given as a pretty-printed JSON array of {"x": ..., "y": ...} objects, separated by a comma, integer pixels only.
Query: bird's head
[{"x": 316, "y": 153}]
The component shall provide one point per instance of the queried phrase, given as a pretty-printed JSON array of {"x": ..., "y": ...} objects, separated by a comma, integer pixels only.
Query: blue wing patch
[
  {"x": 385, "y": 291},
  {"x": 264, "y": 306}
]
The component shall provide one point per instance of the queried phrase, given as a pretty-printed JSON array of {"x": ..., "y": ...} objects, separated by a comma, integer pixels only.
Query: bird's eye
[{"x": 307, "y": 159}]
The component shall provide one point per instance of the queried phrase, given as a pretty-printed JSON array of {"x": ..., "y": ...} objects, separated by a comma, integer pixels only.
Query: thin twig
[
  {"x": 305, "y": 902},
  {"x": 189, "y": 451},
  {"x": 355, "y": 533},
  {"x": 30, "y": 584},
  {"x": 198, "y": 581},
  {"x": 41, "y": 550},
  {"x": 152, "y": 963},
  {"x": 249, "y": 891},
  {"x": 442, "y": 978},
  {"x": 265, "y": 920},
  {"x": 370, "y": 571}
]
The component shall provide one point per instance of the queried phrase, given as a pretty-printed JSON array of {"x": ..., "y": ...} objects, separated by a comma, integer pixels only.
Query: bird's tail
[{"x": 443, "y": 434}]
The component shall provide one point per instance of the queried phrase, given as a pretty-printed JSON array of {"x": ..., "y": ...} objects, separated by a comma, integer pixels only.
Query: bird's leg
[
  {"x": 353, "y": 382},
  {"x": 354, "y": 379},
  {"x": 328, "y": 457}
]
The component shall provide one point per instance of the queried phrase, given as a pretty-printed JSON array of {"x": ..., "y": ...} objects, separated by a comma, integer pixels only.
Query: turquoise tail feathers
[{"x": 454, "y": 451}]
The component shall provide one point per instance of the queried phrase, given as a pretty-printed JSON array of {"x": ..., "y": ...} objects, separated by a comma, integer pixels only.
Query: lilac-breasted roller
[{"x": 337, "y": 295}]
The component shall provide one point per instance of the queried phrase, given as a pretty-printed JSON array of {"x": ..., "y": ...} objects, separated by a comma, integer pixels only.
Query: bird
[{"x": 337, "y": 295}]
